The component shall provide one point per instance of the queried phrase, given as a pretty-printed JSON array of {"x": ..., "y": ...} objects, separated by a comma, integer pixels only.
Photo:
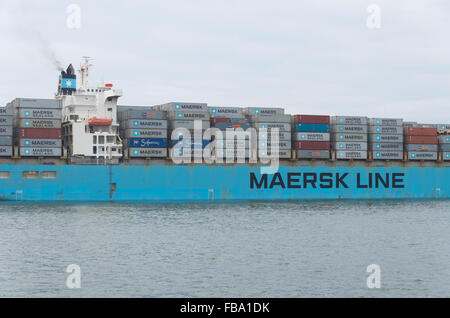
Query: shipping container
[
  {"x": 444, "y": 139},
  {"x": 230, "y": 112},
  {"x": 351, "y": 155},
  {"x": 146, "y": 142},
  {"x": 263, "y": 110},
  {"x": 412, "y": 131},
  {"x": 191, "y": 143},
  {"x": 6, "y": 151},
  {"x": 6, "y": 131},
  {"x": 238, "y": 144},
  {"x": 284, "y": 145},
  {"x": 145, "y": 123},
  {"x": 349, "y": 137},
  {"x": 5, "y": 120},
  {"x": 386, "y": 122},
  {"x": 350, "y": 146},
  {"x": 40, "y": 113},
  {"x": 40, "y": 123},
  {"x": 348, "y": 120},
  {"x": 421, "y": 147},
  {"x": 43, "y": 133},
  {"x": 143, "y": 114},
  {"x": 5, "y": 140},
  {"x": 311, "y": 119},
  {"x": 189, "y": 124},
  {"x": 224, "y": 126},
  {"x": 47, "y": 143},
  {"x": 185, "y": 115},
  {"x": 312, "y": 154},
  {"x": 282, "y": 135},
  {"x": 444, "y": 147},
  {"x": 36, "y": 103},
  {"x": 262, "y": 118},
  {"x": 378, "y": 138},
  {"x": 185, "y": 152},
  {"x": 148, "y": 152},
  {"x": 357, "y": 129},
  {"x": 154, "y": 133},
  {"x": 232, "y": 153},
  {"x": 444, "y": 126},
  {"x": 386, "y": 146},
  {"x": 422, "y": 155},
  {"x": 185, "y": 107},
  {"x": 281, "y": 154},
  {"x": 428, "y": 126},
  {"x": 421, "y": 140},
  {"x": 322, "y": 128},
  {"x": 280, "y": 126},
  {"x": 388, "y": 155},
  {"x": 6, "y": 111},
  {"x": 220, "y": 120},
  {"x": 312, "y": 145},
  {"x": 40, "y": 152},
  {"x": 410, "y": 124},
  {"x": 446, "y": 156},
  {"x": 306, "y": 136},
  {"x": 392, "y": 130}
]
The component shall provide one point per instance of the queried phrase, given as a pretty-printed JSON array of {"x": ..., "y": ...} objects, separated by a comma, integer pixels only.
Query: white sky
[{"x": 310, "y": 57}]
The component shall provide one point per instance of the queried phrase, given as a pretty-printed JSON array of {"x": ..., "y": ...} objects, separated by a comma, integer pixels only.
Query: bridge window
[
  {"x": 30, "y": 174},
  {"x": 4, "y": 174},
  {"x": 48, "y": 174}
]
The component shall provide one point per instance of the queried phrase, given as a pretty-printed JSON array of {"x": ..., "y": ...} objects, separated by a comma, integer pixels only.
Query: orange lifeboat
[{"x": 94, "y": 121}]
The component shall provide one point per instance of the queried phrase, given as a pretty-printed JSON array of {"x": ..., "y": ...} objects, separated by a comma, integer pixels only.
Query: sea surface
[{"x": 263, "y": 249}]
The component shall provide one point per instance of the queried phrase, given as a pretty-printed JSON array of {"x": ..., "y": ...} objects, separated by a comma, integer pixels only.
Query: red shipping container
[
  {"x": 416, "y": 131},
  {"x": 311, "y": 119},
  {"x": 40, "y": 133},
  {"x": 220, "y": 120},
  {"x": 312, "y": 145},
  {"x": 426, "y": 140}
]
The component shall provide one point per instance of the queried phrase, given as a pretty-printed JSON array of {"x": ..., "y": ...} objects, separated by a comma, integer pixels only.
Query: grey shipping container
[
  {"x": 410, "y": 124},
  {"x": 386, "y": 121},
  {"x": 351, "y": 155},
  {"x": 357, "y": 129},
  {"x": 6, "y": 111},
  {"x": 444, "y": 139},
  {"x": 264, "y": 110},
  {"x": 444, "y": 126},
  {"x": 312, "y": 154},
  {"x": 281, "y": 145},
  {"x": 6, "y": 151},
  {"x": 156, "y": 133},
  {"x": 40, "y": 152},
  {"x": 388, "y": 155},
  {"x": 143, "y": 114},
  {"x": 40, "y": 113},
  {"x": 233, "y": 153},
  {"x": 386, "y": 146},
  {"x": 185, "y": 152},
  {"x": 40, "y": 123},
  {"x": 417, "y": 147},
  {"x": 238, "y": 144},
  {"x": 359, "y": 146},
  {"x": 36, "y": 103},
  {"x": 5, "y": 140},
  {"x": 349, "y": 137},
  {"x": 148, "y": 152},
  {"x": 348, "y": 120},
  {"x": 228, "y": 112},
  {"x": 429, "y": 126},
  {"x": 145, "y": 123},
  {"x": 5, "y": 120},
  {"x": 46, "y": 143},
  {"x": 446, "y": 156},
  {"x": 422, "y": 155},
  {"x": 181, "y": 106},
  {"x": 6, "y": 131},
  {"x": 225, "y": 126},
  {"x": 263, "y": 118},
  {"x": 185, "y": 115},
  {"x": 282, "y": 154},
  {"x": 393, "y": 130},
  {"x": 280, "y": 126},
  {"x": 306, "y": 136},
  {"x": 385, "y": 138},
  {"x": 188, "y": 124},
  {"x": 444, "y": 147},
  {"x": 282, "y": 135}
]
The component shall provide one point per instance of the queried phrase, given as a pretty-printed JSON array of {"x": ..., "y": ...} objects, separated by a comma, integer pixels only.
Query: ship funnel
[{"x": 67, "y": 83}]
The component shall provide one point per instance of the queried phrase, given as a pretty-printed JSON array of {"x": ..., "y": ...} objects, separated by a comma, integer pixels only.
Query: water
[{"x": 266, "y": 249}]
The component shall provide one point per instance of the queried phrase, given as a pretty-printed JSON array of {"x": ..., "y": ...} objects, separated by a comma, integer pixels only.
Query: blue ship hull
[{"x": 199, "y": 183}]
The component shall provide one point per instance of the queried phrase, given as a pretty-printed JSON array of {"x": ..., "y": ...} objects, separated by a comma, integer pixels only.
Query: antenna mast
[{"x": 84, "y": 71}]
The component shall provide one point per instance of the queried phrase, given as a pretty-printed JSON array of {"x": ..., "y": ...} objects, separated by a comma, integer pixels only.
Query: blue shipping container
[
  {"x": 323, "y": 128},
  {"x": 147, "y": 142}
]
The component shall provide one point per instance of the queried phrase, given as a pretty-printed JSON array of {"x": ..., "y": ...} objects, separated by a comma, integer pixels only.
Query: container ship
[{"x": 82, "y": 146}]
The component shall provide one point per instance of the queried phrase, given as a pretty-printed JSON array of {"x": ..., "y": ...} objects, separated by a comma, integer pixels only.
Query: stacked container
[
  {"x": 226, "y": 119},
  {"x": 444, "y": 146},
  {"x": 421, "y": 143},
  {"x": 349, "y": 137},
  {"x": 311, "y": 136},
  {"x": 6, "y": 131},
  {"x": 143, "y": 131},
  {"x": 37, "y": 125},
  {"x": 264, "y": 120},
  {"x": 386, "y": 138},
  {"x": 184, "y": 115}
]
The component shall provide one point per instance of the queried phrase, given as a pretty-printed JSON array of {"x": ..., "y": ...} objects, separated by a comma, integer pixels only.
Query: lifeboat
[{"x": 94, "y": 121}]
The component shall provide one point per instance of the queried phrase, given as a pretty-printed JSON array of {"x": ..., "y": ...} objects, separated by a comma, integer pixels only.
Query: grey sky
[{"x": 313, "y": 57}]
